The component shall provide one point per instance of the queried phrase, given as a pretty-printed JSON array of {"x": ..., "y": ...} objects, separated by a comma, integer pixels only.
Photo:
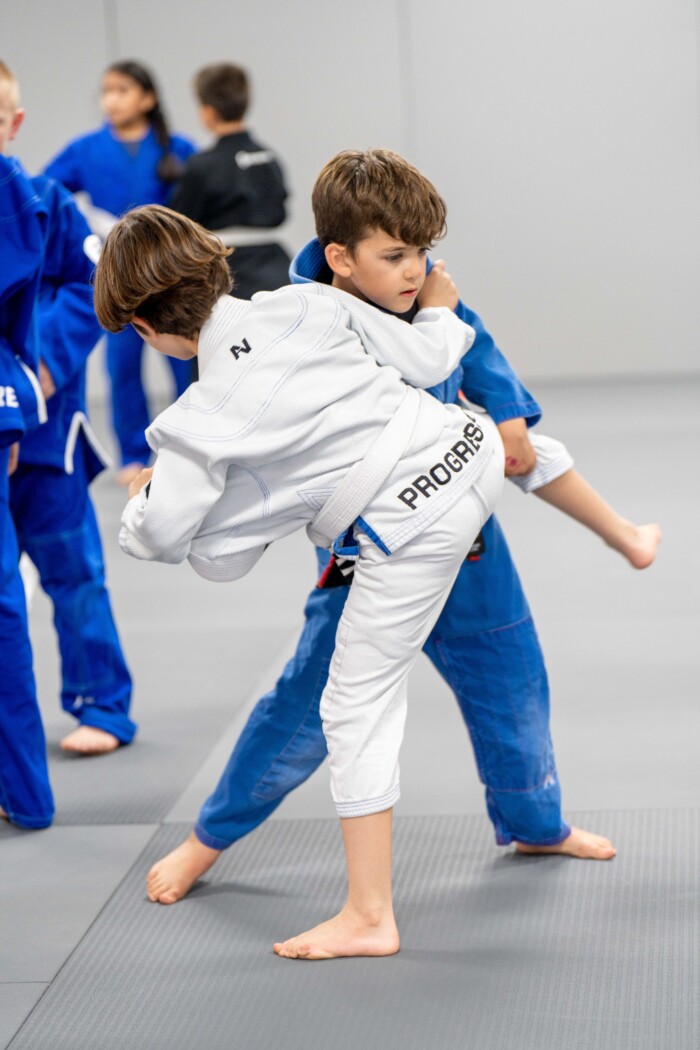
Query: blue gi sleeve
[
  {"x": 67, "y": 168},
  {"x": 11, "y": 418},
  {"x": 182, "y": 147},
  {"x": 22, "y": 227},
  {"x": 488, "y": 379},
  {"x": 68, "y": 327}
]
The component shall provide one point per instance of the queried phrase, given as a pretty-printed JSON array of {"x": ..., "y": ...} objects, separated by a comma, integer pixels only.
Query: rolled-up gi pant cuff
[{"x": 368, "y": 806}]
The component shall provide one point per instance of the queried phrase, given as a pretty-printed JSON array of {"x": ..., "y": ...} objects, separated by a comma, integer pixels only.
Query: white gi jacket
[{"x": 287, "y": 404}]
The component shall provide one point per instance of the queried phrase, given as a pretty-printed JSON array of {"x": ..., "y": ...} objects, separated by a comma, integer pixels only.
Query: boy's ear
[
  {"x": 16, "y": 123},
  {"x": 208, "y": 116},
  {"x": 144, "y": 329},
  {"x": 337, "y": 257}
]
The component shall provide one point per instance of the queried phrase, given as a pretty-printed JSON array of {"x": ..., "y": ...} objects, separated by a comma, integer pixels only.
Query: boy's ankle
[{"x": 369, "y": 915}]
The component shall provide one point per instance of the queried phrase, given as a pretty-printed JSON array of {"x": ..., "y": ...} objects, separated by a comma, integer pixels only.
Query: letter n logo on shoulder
[{"x": 244, "y": 348}]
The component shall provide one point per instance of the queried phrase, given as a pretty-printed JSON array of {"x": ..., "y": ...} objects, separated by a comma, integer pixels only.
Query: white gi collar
[{"x": 226, "y": 313}]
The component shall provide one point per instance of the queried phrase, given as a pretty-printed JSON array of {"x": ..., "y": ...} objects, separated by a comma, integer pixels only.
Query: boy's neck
[
  {"x": 346, "y": 285},
  {"x": 227, "y": 127}
]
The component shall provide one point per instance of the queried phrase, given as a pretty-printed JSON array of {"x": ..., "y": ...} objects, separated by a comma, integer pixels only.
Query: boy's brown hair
[
  {"x": 224, "y": 87},
  {"x": 359, "y": 191},
  {"x": 162, "y": 267}
]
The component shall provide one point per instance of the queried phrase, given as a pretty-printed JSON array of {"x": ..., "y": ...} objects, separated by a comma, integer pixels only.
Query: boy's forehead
[
  {"x": 9, "y": 98},
  {"x": 380, "y": 239}
]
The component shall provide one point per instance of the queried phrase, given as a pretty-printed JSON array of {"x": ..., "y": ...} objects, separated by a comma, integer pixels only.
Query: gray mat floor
[{"x": 498, "y": 950}]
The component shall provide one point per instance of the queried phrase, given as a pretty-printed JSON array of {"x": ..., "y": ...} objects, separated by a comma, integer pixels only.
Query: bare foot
[
  {"x": 88, "y": 740},
  {"x": 639, "y": 544},
  {"x": 3, "y": 815},
  {"x": 127, "y": 473},
  {"x": 171, "y": 878},
  {"x": 347, "y": 933},
  {"x": 583, "y": 844}
]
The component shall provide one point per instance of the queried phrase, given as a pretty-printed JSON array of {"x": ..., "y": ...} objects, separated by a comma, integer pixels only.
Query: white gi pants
[{"x": 392, "y": 607}]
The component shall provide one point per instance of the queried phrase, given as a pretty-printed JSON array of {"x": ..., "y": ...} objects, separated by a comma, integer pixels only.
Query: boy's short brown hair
[
  {"x": 224, "y": 87},
  {"x": 161, "y": 266},
  {"x": 363, "y": 190}
]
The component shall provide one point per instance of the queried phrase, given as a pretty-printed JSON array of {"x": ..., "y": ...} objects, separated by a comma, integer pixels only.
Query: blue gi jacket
[
  {"x": 117, "y": 175},
  {"x": 22, "y": 224},
  {"x": 483, "y": 374},
  {"x": 68, "y": 330}
]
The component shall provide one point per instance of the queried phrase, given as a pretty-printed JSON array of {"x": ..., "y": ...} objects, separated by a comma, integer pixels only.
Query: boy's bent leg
[
  {"x": 393, "y": 604},
  {"x": 58, "y": 529},
  {"x": 485, "y": 646},
  {"x": 25, "y": 792},
  {"x": 281, "y": 745}
]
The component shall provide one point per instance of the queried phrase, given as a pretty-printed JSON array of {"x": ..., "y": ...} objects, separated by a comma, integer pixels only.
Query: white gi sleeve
[
  {"x": 553, "y": 460},
  {"x": 425, "y": 352},
  {"x": 160, "y": 522}
]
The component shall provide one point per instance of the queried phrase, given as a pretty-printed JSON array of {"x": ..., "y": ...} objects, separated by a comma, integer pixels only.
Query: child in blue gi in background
[
  {"x": 131, "y": 160},
  {"x": 25, "y": 792},
  {"x": 484, "y": 644},
  {"x": 52, "y": 511}
]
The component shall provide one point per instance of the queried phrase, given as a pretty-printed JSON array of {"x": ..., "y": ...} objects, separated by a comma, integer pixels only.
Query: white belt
[
  {"x": 364, "y": 480},
  {"x": 248, "y": 236}
]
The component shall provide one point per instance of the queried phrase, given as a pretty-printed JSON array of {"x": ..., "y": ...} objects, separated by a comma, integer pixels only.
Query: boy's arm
[
  {"x": 22, "y": 229},
  {"x": 68, "y": 327},
  {"x": 65, "y": 167},
  {"x": 423, "y": 353},
  {"x": 489, "y": 380},
  {"x": 160, "y": 522},
  {"x": 12, "y": 425}
]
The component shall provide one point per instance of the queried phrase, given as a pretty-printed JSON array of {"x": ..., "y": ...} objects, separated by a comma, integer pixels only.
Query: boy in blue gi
[
  {"x": 133, "y": 159},
  {"x": 484, "y": 645},
  {"x": 52, "y": 511},
  {"x": 25, "y": 793}
]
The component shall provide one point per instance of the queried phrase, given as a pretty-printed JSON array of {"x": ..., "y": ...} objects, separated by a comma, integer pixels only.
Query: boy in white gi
[
  {"x": 372, "y": 245},
  {"x": 292, "y": 423}
]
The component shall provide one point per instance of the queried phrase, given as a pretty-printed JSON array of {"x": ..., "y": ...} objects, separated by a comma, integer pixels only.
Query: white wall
[{"x": 564, "y": 137}]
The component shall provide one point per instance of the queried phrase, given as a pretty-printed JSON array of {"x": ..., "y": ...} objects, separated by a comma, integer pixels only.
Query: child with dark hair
[
  {"x": 236, "y": 188},
  {"x": 133, "y": 159}
]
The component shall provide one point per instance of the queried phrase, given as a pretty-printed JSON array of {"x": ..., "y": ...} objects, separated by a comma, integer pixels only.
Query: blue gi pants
[
  {"x": 56, "y": 526},
  {"x": 25, "y": 792},
  {"x": 485, "y": 647},
  {"x": 130, "y": 415}
]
